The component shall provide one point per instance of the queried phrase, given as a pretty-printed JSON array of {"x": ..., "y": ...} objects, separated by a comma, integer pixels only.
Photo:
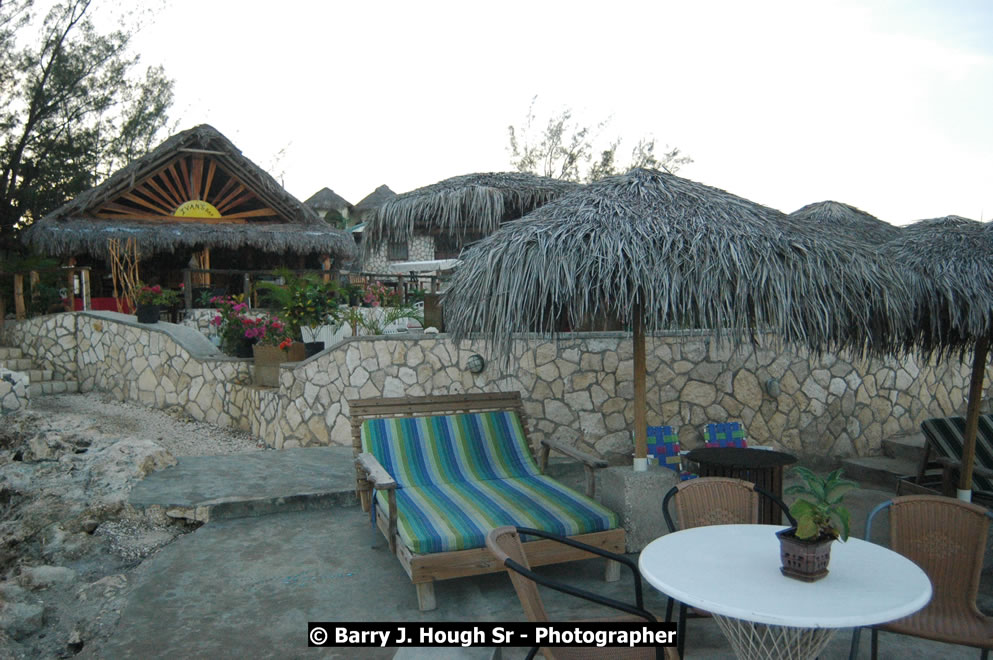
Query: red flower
[{"x": 285, "y": 343}]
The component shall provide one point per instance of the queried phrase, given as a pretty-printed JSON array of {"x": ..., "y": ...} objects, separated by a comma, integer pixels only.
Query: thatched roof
[
  {"x": 954, "y": 257},
  {"x": 471, "y": 203},
  {"x": 73, "y": 229},
  {"x": 326, "y": 199},
  {"x": 691, "y": 255},
  {"x": 375, "y": 199},
  {"x": 834, "y": 216}
]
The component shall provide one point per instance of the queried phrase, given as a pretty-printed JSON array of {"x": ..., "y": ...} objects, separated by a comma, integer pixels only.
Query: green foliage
[
  {"x": 564, "y": 149},
  {"x": 156, "y": 295},
  {"x": 72, "y": 109},
  {"x": 304, "y": 301},
  {"x": 818, "y": 510},
  {"x": 376, "y": 324}
]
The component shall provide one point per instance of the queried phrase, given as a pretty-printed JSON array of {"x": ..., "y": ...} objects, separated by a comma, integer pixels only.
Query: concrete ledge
[{"x": 637, "y": 498}]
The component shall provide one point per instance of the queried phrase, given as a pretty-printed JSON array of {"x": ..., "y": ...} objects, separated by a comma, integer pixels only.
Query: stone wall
[
  {"x": 419, "y": 248},
  {"x": 579, "y": 390},
  {"x": 15, "y": 394}
]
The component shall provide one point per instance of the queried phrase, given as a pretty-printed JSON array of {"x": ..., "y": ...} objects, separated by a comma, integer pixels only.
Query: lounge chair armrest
[
  {"x": 572, "y": 452},
  {"x": 375, "y": 472},
  {"x": 951, "y": 462}
]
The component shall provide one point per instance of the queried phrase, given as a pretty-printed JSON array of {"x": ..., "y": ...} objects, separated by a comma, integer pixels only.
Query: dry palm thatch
[
  {"x": 834, "y": 216},
  {"x": 326, "y": 199},
  {"x": 471, "y": 203},
  {"x": 658, "y": 251},
  {"x": 954, "y": 258},
  {"x": 689, "y": 255},
  {"x": 72, "y": 229}
]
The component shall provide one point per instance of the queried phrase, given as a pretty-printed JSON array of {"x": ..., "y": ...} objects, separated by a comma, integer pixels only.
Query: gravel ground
[{"x": 69, "y": 541}]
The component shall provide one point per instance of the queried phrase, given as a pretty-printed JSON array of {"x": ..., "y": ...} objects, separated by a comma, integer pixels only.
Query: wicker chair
[
  {"x": 946, "y": 538},
  {"x": 712, "y": 501},
  {"x": 505, "y": 544}
]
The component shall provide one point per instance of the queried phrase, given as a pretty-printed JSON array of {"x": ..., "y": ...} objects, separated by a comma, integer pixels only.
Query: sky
[{"x": 883, "y": 105}]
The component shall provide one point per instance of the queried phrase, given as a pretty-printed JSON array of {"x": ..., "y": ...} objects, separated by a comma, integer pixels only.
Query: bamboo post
[
  {"x": 972, "y": 418},
  {"x": 84, "y": 288},
  {"x": 187, "y": 288},
  {"x": 640, "y": 405},
  {"x": 326, "y": 267},
  {"x": 205, "y": 264},
  {"x": 19, "y": 307}
]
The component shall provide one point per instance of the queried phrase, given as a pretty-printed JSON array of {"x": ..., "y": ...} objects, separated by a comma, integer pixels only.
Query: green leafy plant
[
  {"x": 818, "y": 511},
  {"x": 155, "y": 295},
  {"x": 303, "y": 301}
]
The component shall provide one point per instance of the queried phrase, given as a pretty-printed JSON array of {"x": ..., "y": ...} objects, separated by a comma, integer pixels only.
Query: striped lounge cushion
[
  {"x": 947, "y": 437},
  {"x": 461, "y": 475}
]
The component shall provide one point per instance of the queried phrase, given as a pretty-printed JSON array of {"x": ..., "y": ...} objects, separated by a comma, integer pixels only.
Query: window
[{"x": 397, "y": 251}]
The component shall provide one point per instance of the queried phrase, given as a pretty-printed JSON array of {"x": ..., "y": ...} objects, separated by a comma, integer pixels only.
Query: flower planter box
[{"x": 268, "y": 359}]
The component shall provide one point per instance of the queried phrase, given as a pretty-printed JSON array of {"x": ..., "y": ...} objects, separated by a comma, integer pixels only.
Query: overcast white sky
[{"x": 883, "y": 105}]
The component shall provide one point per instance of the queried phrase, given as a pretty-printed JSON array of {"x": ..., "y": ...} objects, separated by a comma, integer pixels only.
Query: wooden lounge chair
[
  {"x": 505, "y": 544},
  {"x": 448, "y": 469},
  {"x": 947, "y": 538},
  {"x": 943, "y": 450}
]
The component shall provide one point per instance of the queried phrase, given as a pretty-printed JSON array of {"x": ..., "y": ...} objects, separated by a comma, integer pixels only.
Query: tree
[
  {"x": 71, "y": 109},
  {"x": 564, "y": 150}
]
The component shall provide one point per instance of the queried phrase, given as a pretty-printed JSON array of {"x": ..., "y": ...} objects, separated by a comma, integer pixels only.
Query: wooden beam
[
  {"x": 243, "y": 198},
  {"x": 138, "y": 200},
  {"x": 171, "y": 170},
  {"x": 203, "y": 151},
  {"x": 84, "y": 287},
  {"x": 149, "y": 192},
  {"x": 197, "y": 176},
  {"x": 237, "y": 191},
  {"x": 205, "y": 263},
  {"x": 228, "y": 185},
  {"x": 326, "y": 266},
  {"x": 186, "y": 179},
  {"x": 257, "y": 213},
  {"x": 172, "y": 218},
  {"x": 210, "y": 180},
  {"x": 156, "y": 187}
]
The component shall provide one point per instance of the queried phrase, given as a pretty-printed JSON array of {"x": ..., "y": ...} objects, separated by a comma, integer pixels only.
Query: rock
[
  {"x": 43, "y": 577},
  {"x": 89, "y": 525},
  {"x": 40, "y": 450},
  {"x": 20, "y": 620}
]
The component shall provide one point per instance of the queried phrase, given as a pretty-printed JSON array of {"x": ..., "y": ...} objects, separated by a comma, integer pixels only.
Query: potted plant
[
  {"x": 805, "y": 550},
  {"x": 150, "y": 301},
  {"x": 231, "y": 323},
  {"x": 305, "y": 302},
  {"x": 272, "y": 347}
]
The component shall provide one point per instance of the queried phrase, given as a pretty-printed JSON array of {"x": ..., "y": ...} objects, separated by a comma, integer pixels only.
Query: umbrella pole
[
  {"x": 972, "y": 418},
  {"x": 640, "y": 416}
]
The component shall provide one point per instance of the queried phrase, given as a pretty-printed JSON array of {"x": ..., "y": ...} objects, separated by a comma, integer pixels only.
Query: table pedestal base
[{"x": 757, "y": 640}]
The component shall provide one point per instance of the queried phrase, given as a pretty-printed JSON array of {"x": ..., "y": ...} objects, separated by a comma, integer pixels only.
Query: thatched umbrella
[
  {"x": 954, "y": 257},
  {"x": 834, "y": 216},
  {"x": 461, "y": 205},
  {"x": 657, "y": 251}
]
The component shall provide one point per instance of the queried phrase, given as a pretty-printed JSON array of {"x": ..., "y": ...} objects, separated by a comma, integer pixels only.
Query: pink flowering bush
[
  {"x": 155, "y": 295},
  {"x": 378, "y": 295},
  {"x": 232, "y": 324},
  {"x": 267, "y": 331}
]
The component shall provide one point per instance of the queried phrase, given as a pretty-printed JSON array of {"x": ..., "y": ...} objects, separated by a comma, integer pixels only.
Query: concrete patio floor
[{"x": 247, "y": 587}]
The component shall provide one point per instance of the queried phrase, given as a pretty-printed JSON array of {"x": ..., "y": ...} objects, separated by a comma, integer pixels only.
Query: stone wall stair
[
  {"x": 42, "y": 380},
  {"x": 901, "y": 455}
]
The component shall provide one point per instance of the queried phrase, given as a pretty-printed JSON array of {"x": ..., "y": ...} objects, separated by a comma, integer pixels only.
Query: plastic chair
[
  {"x": 712, "y": 501},
  {"x": 663, "y": 444},
  {"x": 725, "y": 434},
  {"x": 946, "y": 538},
  {"x": 505, "y": 544}
]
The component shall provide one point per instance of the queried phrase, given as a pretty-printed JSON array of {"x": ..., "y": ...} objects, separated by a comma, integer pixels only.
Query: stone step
[
  {"x": 16, "y": 364},
  {"x": 10, "y": 352},
  {"x": 910, "y": 447},
  {"x": 53, "y": 387},
  {"x": 40, "y": 375},
  {"x": 882, "y": 471},
  {"x": 250, "y": 484}
]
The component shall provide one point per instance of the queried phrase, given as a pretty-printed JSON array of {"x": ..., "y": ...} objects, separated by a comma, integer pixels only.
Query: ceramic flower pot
[
  {"x": 802, "y": 559},
  {"x": 147, "y": 313}
]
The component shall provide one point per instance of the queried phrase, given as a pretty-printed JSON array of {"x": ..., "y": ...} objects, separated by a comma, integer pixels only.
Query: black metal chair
[
  {"x": 505, "y": 544},
  {"x": 712, "y": 501}
]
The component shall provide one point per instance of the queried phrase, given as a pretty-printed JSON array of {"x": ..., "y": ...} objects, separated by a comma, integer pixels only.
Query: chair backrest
[
  {"x": 724, "y": 434},
  {"x": 505, "y": 543},
  {"x": 712, "y": 501},
  {"x": 663, "y": 444},
  {"x": 946, "y": 436},
  {"x": 427, "y": 451},
  {"x": 946, "y": 537}
]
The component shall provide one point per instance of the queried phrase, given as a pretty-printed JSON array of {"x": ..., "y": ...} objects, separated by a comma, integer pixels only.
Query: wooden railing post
[
  {"x": 70, "y": 289},
  {"x": 187, "y": 288},
  {"x": 19, "y": 307},
  {"x": 84, "y": 288},
  {"x": 326, "y": 266}
]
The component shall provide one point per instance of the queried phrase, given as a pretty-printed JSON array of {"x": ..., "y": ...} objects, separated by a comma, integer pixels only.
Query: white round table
[{"x": 733, "y": 572}]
